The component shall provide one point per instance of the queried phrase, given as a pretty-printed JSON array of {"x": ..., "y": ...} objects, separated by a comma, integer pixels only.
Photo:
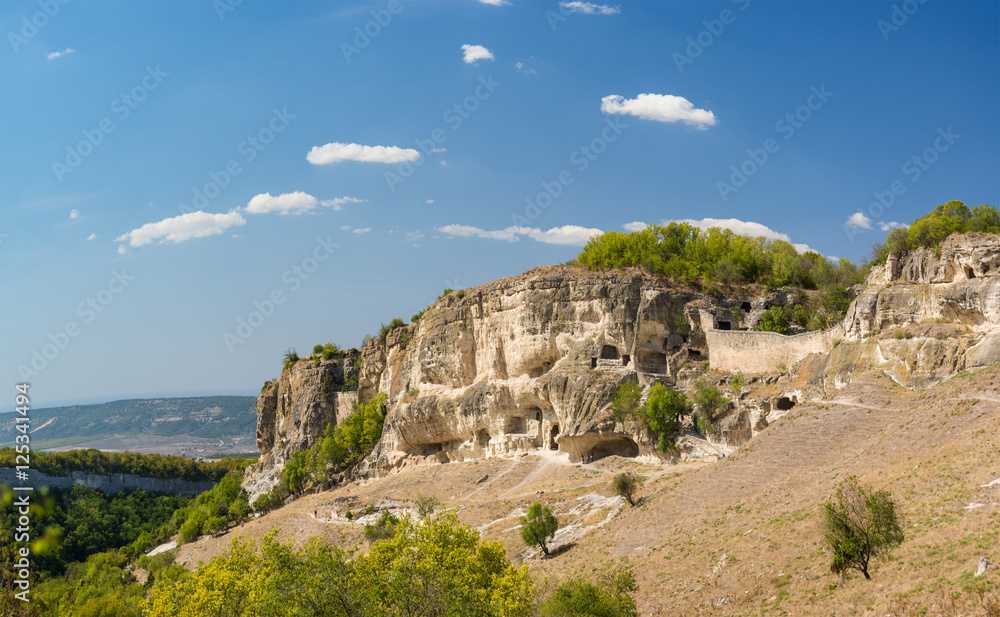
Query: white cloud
[
  {"x": 567, "y": 234},
  {"x": 183, "y": 227},
  {"x": 430, "y": 201},
  {"x": 494, "y": 2},
  {"x": 474, "y": 53},
  {"x": 74, "y": 214},
  {"x": 745, "y": 228},
  {"x": 336, "y": 152},
  {"x": 362, "y": 230},
  {"x": 91, "y": 237},
  {"x": 858, "y": 219},
  {"x": 589, "y": 8},
  {"x": 60, "y": 54},
  {"x": 121, "y": 249},
  {"x": 634, "y": 226},
  {"x": 659, "y": 107},
  {"x": 338, "y": 203},
  {"x": 439, "y": 150},
  {"x": 345, "y": 228},
  {"x": 524, "y": 68},
  {"x": 890, "y": 225},
  {"x": 286, "y": 203}
]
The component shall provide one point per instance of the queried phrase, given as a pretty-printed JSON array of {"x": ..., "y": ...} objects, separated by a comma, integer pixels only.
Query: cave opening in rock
[
  {"x": 552, "y": 437},
  {"x": 725, "y": 325},
  {"x": 746, "y": 307},
  {"x": 784, "y": 403},
  {"x": 483, "y": 437},
  {"x": 694, "y": 354},
  {"x": 969, "y": 274},
  {"x": 615, "y": 446},
  {"x": 626, "y": 359},
  {"x": 538, "y": 415},
  {"x": 609, "y": 352},
  {"x": 593, "y": 363},
  {"x": 516, "y": 425},
  {"x": 652, "y": 362}
]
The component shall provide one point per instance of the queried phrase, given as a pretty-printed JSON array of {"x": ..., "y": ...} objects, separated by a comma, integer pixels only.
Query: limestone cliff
[
  {"x": 294, "y": 411},
  {"x": 532, "y": 361}
]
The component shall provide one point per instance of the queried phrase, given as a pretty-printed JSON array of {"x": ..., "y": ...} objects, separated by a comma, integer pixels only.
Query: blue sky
[{"x": 169, "y": 168}]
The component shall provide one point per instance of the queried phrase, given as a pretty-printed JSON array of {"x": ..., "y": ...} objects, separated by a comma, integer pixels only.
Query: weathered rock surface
[
  {"x": 532, "y": 361},
  {"x": 293, "y": 412},
  {"x": 110, "y": 483}
]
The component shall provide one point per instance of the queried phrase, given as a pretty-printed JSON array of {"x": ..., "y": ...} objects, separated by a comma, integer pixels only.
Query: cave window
[
  {"x": 746, "y": 307},
  {"x": 516, "y": 425},
  {"x": 538, "y": 416},
  {"x": 784, "y": 403},
  {"x": 626, "y": 359},
  {"x": 552, "y": 437},
  {"x": 694, "y": 354},
  {"x": 609, "y": 352},
  {"x": 969, "y": 274},
  {"x": 593, "y": 363},
  {"x": 483, "y": 437},
  {"x": 725, "y": 325}
]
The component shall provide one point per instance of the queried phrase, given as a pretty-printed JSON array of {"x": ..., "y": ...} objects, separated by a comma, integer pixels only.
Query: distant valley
[{"x": 197, "y": 427}]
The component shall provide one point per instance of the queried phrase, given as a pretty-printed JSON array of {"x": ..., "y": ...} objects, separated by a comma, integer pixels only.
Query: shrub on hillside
[
  {"x": 610, "y": 595},
  {"x": 860, "y": 525},
  {"x": 626, "y": 485},
  {"x": 539, "y": 526}
]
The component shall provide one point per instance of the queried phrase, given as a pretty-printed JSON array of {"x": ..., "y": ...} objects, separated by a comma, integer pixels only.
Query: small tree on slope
[
  {"x": 539, "y": 526},
  {"x": 860, "y": 525}
]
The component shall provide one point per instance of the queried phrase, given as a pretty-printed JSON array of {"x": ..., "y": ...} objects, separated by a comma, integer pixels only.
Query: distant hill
[{"x": 196, "y": 426}]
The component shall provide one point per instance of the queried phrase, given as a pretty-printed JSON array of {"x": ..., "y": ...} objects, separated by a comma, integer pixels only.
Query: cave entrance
[
  {"x": 969, "y": 274},
  {"x": 552, "y": 437},
  {"x": 725, "y": 325},
  {"x": 746, "y": 307},
  {"x": 593, "y": 363},
  {"x": 694, "y": 354},
  {"x": 626, "y": 359},
  {"x": 784, "y": 403},
  {"x": 609, "y": 352},
  {"x": 652, "y": 362},
  {"x": 483, "y": 437},
  {"x": 616, "y": 446}
]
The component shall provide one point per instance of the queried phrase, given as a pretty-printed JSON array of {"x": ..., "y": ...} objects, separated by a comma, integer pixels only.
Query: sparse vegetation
[
  {"x": 626, "y": 401},
  {"x": 860, "y": 525},
  {"x": 626, "y": 485},
  {"x": 291, "y": 357},
  {"x": 931, "y": 229},
  {"x": 662, "y": 414},
  {"x": 708, "y": 401},
  {"x": 383, "y": 529},
  {"x": 610, "y": 595},
  {"x": 539, "y": 526},
  {"x": 773, "y": 320}
]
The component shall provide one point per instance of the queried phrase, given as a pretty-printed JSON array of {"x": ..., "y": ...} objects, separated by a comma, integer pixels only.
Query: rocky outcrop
[
  {"x": 294, "y": 411},
  {"x": 110, "y": 483},
  {"x": 532, "y": 361}
]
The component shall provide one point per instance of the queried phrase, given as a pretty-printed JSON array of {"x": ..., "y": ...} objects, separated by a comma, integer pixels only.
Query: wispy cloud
[
  {"x": 339, "y": 202},
  {"x": 634, "y": 226},
  {"x": 336, "y": 152},
  {"x": 567, "y": 234},
  {"x": 659, "y": 107},
  {"x": 589, "y": 8},
  {"x": 362, "y": 230},
  {"x": 74, "y": 214},
  {"x": 91, "y": 237},
  {"x": 60, "y": 54},
  {"x": 524, "y": 68},
  {"x": 859, "y": 220},
  {"x": 183, "y": 227},
  {"x": 494, "y": 2},
  {"x": 890, "y": 225},
  {"x": 121, "y": 249},
  {"x": 472, "y": 54}
]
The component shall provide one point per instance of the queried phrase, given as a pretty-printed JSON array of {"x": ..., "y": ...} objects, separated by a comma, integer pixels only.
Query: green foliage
[
  {"x": 709, "y": 401},
  {"x": 737, "y": 385},
  {"x": 931, "y": 229},
  {"x": 435, "y": 567},
  {"x": 447, "y": 290},
  {"x": 626, "y": 402},
  {"x": 460, "y": 294},
  {"x": 317, "y": 350},
  {"x": 416, "y": 316},
  {"x": 610, "y": 595},
  {"x": 383, "y": 529},
  {"x": 426, "y": 504},
  {"x": 860, "y": 524},
  {"x": 329, "y": 351},
  {"x": 773, "y": 320},
  {"x": 213, "y": 510},
  {"x": 270, "y": 500},
  {"x": 94, "y": 461},
  {"x": 384, "y": 330},
  {"x": 626, "y": 484},
  {"x": 291, "y": 357},
  {"x": 682, "y": 251},
  {"x": 660, "y": 415},
  {"x": 539, "y": 526}
]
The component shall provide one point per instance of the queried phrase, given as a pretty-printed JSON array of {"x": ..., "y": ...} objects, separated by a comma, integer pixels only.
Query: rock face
[
  {"x": 111, "y": 483},
  {"x": 294, "y": 411},
  {"x": 532, "y": 361}
]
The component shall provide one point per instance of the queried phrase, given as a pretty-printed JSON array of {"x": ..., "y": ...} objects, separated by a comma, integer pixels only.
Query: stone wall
[
  {"x": 106, "y": 483},
  {"x": 738, "y": 351}
]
